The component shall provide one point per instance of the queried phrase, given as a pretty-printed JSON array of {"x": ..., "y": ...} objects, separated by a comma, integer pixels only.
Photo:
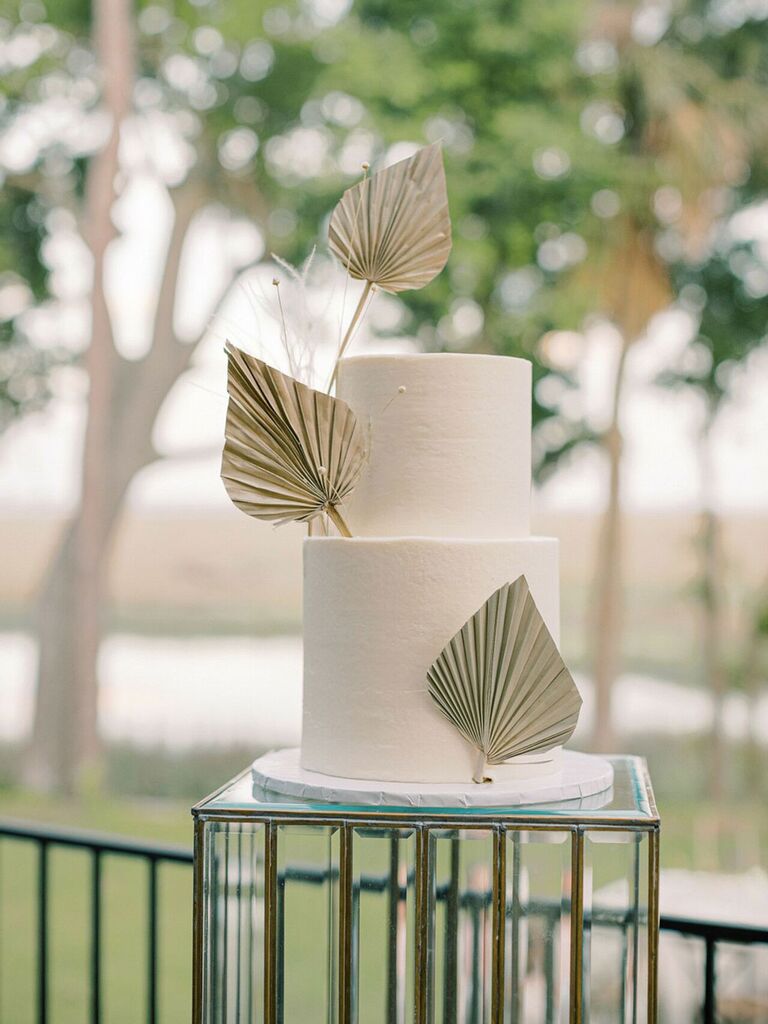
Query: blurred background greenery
[{"x": 608, "y": 173}]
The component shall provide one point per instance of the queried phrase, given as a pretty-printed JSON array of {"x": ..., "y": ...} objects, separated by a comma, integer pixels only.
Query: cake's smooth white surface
[
  {"x": 377, "y": 612},
  {"x": 450, "y": 456}
]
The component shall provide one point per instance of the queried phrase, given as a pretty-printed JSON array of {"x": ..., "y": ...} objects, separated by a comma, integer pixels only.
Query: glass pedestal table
[{"x": 309, "y": 913}]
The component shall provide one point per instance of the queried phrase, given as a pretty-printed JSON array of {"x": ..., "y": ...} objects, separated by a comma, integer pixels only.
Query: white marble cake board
[{"x": 580, "y": 775}]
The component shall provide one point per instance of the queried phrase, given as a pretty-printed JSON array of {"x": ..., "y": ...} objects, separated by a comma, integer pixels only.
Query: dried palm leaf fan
[
  {"x": 393, "y": 230},
  {"x": 502, "y": 683},
  {"x": 291, "y": 453}
]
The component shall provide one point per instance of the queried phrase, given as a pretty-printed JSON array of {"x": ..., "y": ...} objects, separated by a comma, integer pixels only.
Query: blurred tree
[
  {"x": 576, "y": 151},
  {"x": 726, "y": 294},
  {"x": 273, "y": 110},
  {"x": 590, "y": 155},
  {"x": 165, "y": 77},
  {"x": 684, "y": 107}
]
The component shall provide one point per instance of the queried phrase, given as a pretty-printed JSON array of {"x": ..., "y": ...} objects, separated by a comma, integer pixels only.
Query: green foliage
[{"x": 726, "y": 295}]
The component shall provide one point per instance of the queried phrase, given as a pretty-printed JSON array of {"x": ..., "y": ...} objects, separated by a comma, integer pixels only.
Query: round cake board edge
[{"x": 581, "y": 776}]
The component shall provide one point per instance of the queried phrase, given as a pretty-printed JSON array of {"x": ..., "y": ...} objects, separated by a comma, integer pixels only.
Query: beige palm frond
[
  {"x": 502, "y": 682},
  {"x": 291, "y": 453},
  {"x": 393, "y": 229}
]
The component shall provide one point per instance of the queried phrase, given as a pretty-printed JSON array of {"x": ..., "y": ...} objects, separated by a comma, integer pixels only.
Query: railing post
[
  {"x": 42, "y": 932},
  {"x": 96, "y": 937},
  {"x": 152, "y": 944},
  {"x": 709, "y": 981}
]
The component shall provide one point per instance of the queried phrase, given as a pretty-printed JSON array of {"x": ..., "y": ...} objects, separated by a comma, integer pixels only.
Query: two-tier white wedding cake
[
  {"x": 432, "y": 672},
  {"x": 440, "y": 520}
]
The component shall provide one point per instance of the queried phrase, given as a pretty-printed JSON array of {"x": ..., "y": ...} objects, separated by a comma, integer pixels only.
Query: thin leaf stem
[
  {"x": 350, "y": 330},
  {"x": 338, "y": 520}
]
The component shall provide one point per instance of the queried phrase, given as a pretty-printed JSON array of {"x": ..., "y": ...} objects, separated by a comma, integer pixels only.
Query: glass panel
[
  {"x": 384, "y": 925},
  {"x": 461, "y": 934},
  {"x": 615, "y": 926},
  {"x": 234, "y": 924},
  {"x": 537, "y": 962},
  {"x": 629, "y": 797},
  {"x": 307, "y": 924}
]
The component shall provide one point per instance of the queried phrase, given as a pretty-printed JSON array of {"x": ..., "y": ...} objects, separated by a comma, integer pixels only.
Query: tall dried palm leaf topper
[
  {"x": 291, "y": 453},
  {"x": 393, "y": 230},
  {"x": 502, "y": 683}
]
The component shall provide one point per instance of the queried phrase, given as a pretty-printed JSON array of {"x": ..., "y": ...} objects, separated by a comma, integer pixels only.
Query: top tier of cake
[{"x": 449, "y": 445}]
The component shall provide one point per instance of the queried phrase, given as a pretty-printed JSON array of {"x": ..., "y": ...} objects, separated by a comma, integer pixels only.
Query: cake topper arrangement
[
  {"x": 293, "y": 453},
  {"x": 502, "y": 682}
]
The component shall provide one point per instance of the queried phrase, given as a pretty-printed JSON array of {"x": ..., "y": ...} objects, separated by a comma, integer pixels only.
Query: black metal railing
[{"x": 97, "y": 847}]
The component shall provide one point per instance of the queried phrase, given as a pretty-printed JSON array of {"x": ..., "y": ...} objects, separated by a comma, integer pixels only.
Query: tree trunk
[
  {"x": 752, "y": 678},
  {"x": 66, "y": 711},
  {"x": 64, "y": 746},
  {"x": 64, "y": 743},
  {"x": 70, "y": 624},
  {"x": 608, "y": 596}
]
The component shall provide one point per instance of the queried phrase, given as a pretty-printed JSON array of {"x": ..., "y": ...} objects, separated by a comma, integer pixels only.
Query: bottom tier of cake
[{"x": 377, "y": 612}]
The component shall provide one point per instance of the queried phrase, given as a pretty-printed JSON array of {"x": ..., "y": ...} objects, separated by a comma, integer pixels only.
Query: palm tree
[
  {"x": 731, "y": 324},
  {"x": 691, "y": 127}
]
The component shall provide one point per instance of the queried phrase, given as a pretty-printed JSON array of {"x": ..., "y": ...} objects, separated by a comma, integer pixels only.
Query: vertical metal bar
[
  {"x": 653, "y": 924},
  {"x": 225, "y": 930},
  {"x": 710, "y": 1001},
  {"x": 250, "y": 920},
  {"x": 331, "y": 879},
  {"x": 577, "y": 927},
  {"x": 213, "y": 921},
  {"x": 42, "y": 932},
  {"x": 152, "y": 948},
  {"x": 238, "y": 904},
  {"x": 95, "y": 936},
  {"x": 516, "y": 916},
  {"x": 355, "y": 960},
  {"x": 638, "y": 836},
  {"x": 346, "y": 981},
  {"x": 424, "y": 909},
  {"x": 393, "y": 908},
  {"x": 270, "y": 923},
  {"x": 498, "y": 926},
  {"x": 198, "y": 923},
  {"x": 280, "y": 956},
  {"x": 451, "y": 936}
]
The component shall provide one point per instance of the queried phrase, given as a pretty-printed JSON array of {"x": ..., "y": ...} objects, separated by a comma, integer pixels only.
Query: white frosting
[
  {"x": 450, "y": 456},
  {"x": 377, "y": 612}
]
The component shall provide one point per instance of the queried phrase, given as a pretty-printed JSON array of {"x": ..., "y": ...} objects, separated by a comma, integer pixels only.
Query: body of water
[{"x": 217, "y": 691}]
